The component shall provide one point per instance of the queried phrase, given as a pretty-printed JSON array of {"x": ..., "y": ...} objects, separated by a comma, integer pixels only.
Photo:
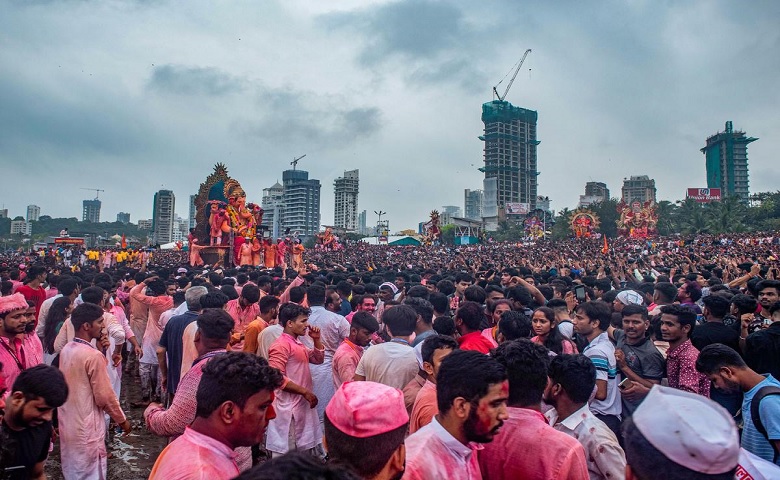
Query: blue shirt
[{"x": 752, "y": 440}]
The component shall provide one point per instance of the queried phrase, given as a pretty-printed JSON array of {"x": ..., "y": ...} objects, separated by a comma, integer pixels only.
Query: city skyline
[{"x": 394, "y": 89}]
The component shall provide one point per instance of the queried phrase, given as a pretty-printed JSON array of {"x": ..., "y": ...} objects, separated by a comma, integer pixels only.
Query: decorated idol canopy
[
  {"x": 223, "y": 216},
  {"x": 584, "y": 223},
  {"x": 637, "y": 219}
]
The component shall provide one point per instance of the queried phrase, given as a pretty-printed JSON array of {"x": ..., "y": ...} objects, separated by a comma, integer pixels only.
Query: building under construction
[
  {"x": 510, "y": 152},
  {"x": 727, "y": 164},
  {"x": 510, "y": 148}
]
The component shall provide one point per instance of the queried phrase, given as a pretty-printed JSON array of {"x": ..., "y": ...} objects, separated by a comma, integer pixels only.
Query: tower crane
[
  {"x": 295, "y": 161},
  {"x": 517, "y": 69},
  {"x": 96, "y": 190}
]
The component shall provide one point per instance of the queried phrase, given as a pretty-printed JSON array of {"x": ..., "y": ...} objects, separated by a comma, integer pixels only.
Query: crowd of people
[{"x": 566, "y": 359}]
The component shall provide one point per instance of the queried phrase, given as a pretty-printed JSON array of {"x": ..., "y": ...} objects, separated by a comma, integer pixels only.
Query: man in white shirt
[
  {"x": 572, "y": 379},
  {"x": 392, "y": 363}
]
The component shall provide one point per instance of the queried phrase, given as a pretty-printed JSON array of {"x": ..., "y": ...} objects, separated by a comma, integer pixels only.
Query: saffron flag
[
  {"x": 605, "y": 248},
  {"x": 124, "y": 241}
]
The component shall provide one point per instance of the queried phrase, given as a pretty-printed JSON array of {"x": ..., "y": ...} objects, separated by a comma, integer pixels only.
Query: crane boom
[
  {"x": 96, "y": 190},
  {"x": 512, "y": 80},
  {"x": 295, "y": 161}
]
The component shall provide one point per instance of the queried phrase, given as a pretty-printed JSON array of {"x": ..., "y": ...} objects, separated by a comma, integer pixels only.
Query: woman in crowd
[
  {"x": 543, "y": 323},
  {"x": 58, "y": 313}
]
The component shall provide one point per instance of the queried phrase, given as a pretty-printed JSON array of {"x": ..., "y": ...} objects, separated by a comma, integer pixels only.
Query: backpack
[{"x": 754, "y": 411}]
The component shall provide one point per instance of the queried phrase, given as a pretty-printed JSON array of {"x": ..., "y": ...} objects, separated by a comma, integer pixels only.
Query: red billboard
[{"x": 704, "y": 195}]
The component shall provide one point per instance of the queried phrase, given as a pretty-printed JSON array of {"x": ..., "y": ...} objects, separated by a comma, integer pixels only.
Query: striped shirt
[
  {"x": 602, "y": 353},
  {"x": 769, "y": 409}
]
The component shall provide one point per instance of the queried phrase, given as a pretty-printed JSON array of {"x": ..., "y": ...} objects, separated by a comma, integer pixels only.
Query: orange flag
[
  {"x": 605, "y": 248},
  {"x": 124, "y": 242}
]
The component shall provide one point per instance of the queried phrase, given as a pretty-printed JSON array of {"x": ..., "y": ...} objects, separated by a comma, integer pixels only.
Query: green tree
[
  {"x": 448, "y": 235},
  {"x": 666, "y": 212},
  {"x": 561, "y": 228},
  {"x": 691, "y": 217},
  {"x": 606, "y": 211},
  {"x": 726, "y": 215}
]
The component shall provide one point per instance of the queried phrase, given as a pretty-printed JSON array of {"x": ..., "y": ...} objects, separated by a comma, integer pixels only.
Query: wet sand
[{"x": 133, "y": 454}]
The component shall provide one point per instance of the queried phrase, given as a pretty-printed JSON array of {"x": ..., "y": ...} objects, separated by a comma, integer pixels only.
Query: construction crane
[
  {"x": 96, "y": 190},
  {"x": 295, "y": 161},
  {"x": 517, "y": 69}
]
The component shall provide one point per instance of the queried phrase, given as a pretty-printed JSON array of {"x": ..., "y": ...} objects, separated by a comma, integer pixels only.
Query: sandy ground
[{"x": 133, "y": 454}]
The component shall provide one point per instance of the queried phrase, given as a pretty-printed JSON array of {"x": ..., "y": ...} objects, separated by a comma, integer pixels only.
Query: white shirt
[
  {"x": 266, "y": 338},
  {"x": 606, "y": 460},
  {"x": 392, "y": 363}
]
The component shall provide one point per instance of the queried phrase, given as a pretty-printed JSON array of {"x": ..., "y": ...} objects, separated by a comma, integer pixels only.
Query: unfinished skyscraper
[
  {"x": 346, "y": 208},
  {"x": 727, "y": 163},
  {"x": 510, "y": 152}
]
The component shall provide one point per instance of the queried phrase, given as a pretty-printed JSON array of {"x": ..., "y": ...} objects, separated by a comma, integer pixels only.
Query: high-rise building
[
  {"x": 510, "y": 152},
  {"x": 346, "y": 207},
  {"x": 163, "y": 217},
  {"x": 180, "y": 229},
  {"x": 363, "y": 223},
  {"x": 193, "y": 212},
  {"x": 91, "y": 211},
  {"x": 145, "y": 224},
  {"x": 301, "y": 203},
  {"x": 21, "y": 226},
  {"x": 639, "y": 188},
  {"x": 273, "y": 208},
  {"x": 597, "y": 189},
  {"x": 595, "y": 192},
  {"x": 3, "y": 213},
  {"x": 727, "y": 162},
  {"x": 472, "y": 204},
  {"x": 33, "y": 213},
  {"x": 123, "y": 217},
  {"x": 451, "y": 210}
]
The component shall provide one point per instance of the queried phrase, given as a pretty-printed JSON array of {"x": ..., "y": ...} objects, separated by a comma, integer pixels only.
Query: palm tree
[
  {"x": 726, "y": 215},
  {"x": 666, "y": 211},
  {"x": 691, "y": 217}
]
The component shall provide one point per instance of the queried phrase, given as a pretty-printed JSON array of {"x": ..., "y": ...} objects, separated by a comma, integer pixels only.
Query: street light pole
[{"x": 378, "y": 223}]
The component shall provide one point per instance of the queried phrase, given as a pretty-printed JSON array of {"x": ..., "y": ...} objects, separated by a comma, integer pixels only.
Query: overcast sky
[{"x": 135, "y": 96}]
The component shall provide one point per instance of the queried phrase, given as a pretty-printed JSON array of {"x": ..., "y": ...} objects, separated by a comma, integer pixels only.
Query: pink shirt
[
  {"x": 181, "y": 413},
  {"x": 292, "y": 358},
  {"x": 242, "y": 317},
  {"x": 681, "y": 370},
  {"x": 195, "y": 456},
  {"x": 567, "y": 346},
  {"x": 25, "y": 353},
  {"x": 527, "y": 447},
  {"x": 157, "y": 305},
  {"x": 345, "y": 361},
  {"x": 433, "y": 453}
]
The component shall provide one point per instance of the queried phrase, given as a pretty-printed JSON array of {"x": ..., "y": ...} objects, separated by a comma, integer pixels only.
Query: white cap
[
  {"x": 629, "y": 297},
  {"x": 181, "y": 270},
  {"x": 689, "y": 429}
]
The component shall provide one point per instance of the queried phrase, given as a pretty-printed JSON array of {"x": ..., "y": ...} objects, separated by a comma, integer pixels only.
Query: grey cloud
[
  {"x": 35, "y": 119},
  {"x": 294, "y": 116},
  {"x": 460, "y": 71},
  {"x": 428, "y": 40},
  {"x": 185, "y": 80}
]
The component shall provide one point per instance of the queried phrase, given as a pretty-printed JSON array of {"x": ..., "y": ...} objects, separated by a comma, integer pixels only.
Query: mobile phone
[
  {"x": 579, "y": 293},
  {"x": 624, "y": 384}
]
